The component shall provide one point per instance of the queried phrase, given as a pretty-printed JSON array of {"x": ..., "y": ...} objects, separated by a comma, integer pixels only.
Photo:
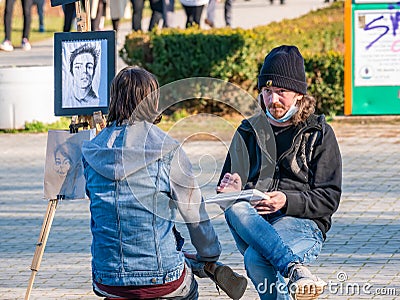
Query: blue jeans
[
  {"x": 270, "y": 246},
  {"x": 188, "y": 290}
]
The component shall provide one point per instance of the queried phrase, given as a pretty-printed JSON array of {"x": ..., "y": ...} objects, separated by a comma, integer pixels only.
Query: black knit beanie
[{"x": 284, "y": 67}]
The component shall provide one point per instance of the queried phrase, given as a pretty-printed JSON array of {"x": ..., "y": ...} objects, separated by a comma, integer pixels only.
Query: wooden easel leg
[
  {"x": 41, "y": 244},
  {"x": 82, "y": 18}
]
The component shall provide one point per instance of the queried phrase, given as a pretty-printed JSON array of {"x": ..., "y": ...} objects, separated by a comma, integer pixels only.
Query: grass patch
[{"x": 37, "y": 126}]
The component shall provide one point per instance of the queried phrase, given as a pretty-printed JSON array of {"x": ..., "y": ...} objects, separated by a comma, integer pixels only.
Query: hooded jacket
[
  {"x": 309, "y": 173},
  {"x": 137, "y": 177}
]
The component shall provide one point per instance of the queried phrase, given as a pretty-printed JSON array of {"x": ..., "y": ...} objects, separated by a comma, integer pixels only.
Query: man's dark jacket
[{"x": 309, "y": 173}]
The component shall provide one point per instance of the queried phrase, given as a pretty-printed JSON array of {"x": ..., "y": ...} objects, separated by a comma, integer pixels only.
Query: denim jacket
[{"x": 137, "y": 178}]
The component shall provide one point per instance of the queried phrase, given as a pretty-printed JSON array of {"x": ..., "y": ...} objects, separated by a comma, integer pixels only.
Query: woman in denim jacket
[{"x": 137, "y": 177}]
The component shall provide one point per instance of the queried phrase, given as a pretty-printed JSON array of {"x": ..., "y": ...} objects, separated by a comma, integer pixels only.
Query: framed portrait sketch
[{"x": 84, "y": 65}]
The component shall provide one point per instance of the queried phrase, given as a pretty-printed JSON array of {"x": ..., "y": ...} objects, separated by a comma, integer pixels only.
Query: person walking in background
[
  {"x": 281, "y": 1},
  {"x": 40, "y": 11},
  {"x": 156, "y": 7},
  {"x": 228, "y": 12},
  {"x": 97, "y": 12},
  {"x": 193, "y": 10},
  {"x": 137, "y": 12},
  {"x": 69, "y": 16},
  {"x": 117, "y": 11},
  {"x": 168, "y": 13},
  {"x": 6, "y": 45},
  {"x": 210, "y": 19}
]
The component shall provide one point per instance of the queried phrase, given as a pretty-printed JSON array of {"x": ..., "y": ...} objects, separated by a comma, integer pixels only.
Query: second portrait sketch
[{"x": 63, "y": 176}]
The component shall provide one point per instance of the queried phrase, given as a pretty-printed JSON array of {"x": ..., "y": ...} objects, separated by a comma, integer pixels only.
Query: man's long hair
[
  {"x": 306, "y": 108},
  {"x": 134, "y": 96}
]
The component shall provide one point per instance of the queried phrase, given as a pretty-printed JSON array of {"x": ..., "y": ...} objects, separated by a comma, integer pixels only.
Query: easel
[{"x": 96, "y": 121}]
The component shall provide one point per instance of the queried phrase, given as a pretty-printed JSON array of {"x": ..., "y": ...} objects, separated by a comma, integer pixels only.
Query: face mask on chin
[{"x": 286, "y": 117}]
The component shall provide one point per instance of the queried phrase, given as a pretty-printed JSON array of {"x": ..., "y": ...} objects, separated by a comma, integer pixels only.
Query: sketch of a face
[
  {"x": 63, "y": 176},
  {"x": 62, "y": 163},
  {"x": 83, "y": 71},
  {"x": 83, "y": 64}
]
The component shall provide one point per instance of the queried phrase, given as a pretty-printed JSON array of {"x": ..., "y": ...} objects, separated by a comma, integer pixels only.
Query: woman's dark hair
[{"x": 134, "y": 96}]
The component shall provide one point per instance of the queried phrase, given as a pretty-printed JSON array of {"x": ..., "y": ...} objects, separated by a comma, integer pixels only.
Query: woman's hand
[{"x": 230, "y": 183}]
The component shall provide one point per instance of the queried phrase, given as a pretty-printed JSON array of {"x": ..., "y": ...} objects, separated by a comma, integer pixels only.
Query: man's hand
[
  {"x": 276, "y": 201},
  {"x": 230, "y": 183}
]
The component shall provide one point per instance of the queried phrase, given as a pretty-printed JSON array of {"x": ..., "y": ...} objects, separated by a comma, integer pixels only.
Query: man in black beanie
[{"x": 292, "y": 155}]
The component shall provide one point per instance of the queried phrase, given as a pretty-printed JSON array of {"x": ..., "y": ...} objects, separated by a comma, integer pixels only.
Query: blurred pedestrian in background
[
  {"x": 97, "y": 13},
  {"x": 40, "y": 11},
  {"x": 69, "y": 16},
  {"x": 193, "y": 10},
  {"x": 282, "y": 1},
  {"x": 117, "y": 11},
  {"x": 6, "y": 45},
  {"x": 210, "y": 19},
  {"x": 156, "y": 7},
  {"x": 168, "y": 13},
  {"x": 228, "y": 13}
]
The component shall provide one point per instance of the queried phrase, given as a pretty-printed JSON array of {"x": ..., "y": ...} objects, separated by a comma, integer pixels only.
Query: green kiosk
[{"x": 372, "y": 57}]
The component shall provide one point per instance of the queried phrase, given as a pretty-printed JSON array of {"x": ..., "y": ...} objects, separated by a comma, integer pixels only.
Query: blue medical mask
[{"x": 291, "y": 111}]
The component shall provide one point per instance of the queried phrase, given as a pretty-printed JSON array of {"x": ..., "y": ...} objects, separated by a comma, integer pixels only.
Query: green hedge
[{"x": 236, "y": 55}]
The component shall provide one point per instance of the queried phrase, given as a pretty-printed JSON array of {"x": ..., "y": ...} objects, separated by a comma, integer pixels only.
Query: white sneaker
[
  {"x": 303, "y": 285},
  {"x": 6, "y": 46},
  {"x": 26, "y": 46}
]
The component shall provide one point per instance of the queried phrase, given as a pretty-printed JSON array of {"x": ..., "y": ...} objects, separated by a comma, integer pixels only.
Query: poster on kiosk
[{"x": 375, "y": 55}]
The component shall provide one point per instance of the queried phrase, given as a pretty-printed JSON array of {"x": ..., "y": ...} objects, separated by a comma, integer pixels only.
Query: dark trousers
[
  {"x": 193, "y": 14},
  {"x": 39, "y": 5},
  {"x": 228, "y": 12},
  {"x": 156, "y": 15},
  {"x": 8, "y": 12},
  {"x": 95, "y": 23},
  {"x": 69, "y": 15}
]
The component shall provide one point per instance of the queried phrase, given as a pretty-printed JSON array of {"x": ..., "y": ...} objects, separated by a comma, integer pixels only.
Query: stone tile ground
[{"x": 360, "y": 259}]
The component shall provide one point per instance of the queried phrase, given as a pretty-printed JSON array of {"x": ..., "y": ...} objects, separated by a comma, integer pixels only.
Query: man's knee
[{"x": 238, "y": 209}]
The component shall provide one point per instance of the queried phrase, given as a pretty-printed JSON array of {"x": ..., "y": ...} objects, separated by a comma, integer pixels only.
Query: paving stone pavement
[{"x": 360, "y": 259}]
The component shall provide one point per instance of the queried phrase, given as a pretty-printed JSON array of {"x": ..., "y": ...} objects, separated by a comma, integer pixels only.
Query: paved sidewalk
[{"x": 360, "y": 259}]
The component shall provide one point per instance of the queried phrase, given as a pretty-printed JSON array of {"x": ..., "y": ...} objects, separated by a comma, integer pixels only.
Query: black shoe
[{"x": 232, "y": 283}]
